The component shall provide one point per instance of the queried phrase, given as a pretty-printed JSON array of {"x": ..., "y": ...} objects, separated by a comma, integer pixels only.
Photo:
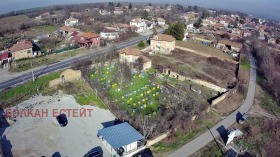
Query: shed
[{"x": 121, "y": 138}]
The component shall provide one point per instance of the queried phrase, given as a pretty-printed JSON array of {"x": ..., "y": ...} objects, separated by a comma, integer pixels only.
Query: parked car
[
  {"x": 94, "y": 154},
  {"x": 62, "y": 120},
  {"x": 242, "y": 119}
]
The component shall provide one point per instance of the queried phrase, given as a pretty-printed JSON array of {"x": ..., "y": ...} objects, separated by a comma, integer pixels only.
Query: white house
[
  {"x": 118, "y": 11},
  {"x": 160, "y": 21},
  {"x": 109, "y": 34},
  {"x": 104, "y": 12},
  {"x": 71, "y": 21},
  {"x": 139, "y": 23}
]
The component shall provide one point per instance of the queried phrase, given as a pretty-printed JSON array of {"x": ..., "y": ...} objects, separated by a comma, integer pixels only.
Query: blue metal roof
[{"x": 120, "y": 135}]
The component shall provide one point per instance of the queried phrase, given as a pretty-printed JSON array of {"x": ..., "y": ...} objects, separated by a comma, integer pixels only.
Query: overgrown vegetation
[
  {"x": 177, "y": 30},
  {"x": 26, "y": 89}
]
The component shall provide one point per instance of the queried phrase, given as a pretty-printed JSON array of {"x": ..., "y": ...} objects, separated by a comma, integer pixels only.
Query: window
[{"x": 28, "y": 51}]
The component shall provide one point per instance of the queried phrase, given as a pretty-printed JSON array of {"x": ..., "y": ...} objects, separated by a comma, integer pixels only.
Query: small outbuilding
[{"x": 122, "y": 139}]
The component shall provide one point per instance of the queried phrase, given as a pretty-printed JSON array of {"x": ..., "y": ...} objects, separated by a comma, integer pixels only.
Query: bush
[{"x": 141, "y": 44}]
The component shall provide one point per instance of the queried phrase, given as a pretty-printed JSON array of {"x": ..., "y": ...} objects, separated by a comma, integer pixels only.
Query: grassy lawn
[
  {"x": 204, "y": 50},
  {"x": 270, "y": 104},
  {"x": 13, "y": 19},
  {"x": 45, "y": 60},
  {"x": 136, "y": 95},
  {"x": 40, "y": 30},
  {"x": 28, "y": 87},
  {"x": 83, "y": 94},
  {"x": 245, "y": 64},
  {"x": 181, "y": 139}
]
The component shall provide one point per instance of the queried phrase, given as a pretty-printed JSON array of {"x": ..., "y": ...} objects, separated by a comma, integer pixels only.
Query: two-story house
[
  {"x": 139, "y": 23},
  {"x": 88, "y": 39},
  {"x": 118, "y": 11},
  {"x": 71, "y": 22},
  {"x": 162, "y": 43},
  {"x": 22, "y": 49}
]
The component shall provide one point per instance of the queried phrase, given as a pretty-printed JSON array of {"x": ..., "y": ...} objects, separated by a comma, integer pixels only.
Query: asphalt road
[
  {"x": 201, "y": 141},
  {"x": 66, "y": 63}
]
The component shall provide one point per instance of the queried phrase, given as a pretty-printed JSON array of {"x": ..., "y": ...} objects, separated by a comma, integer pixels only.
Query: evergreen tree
[
  {"x": 145, "y": 15},
  {"x": 119, "y": 4},
  {"x": 130, "y": 6},
  {"x": 177, "y": 30}
]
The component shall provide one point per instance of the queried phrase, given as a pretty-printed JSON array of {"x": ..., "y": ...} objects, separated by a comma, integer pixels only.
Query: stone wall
[
  {"x": 197, "y": 81},
  {"x": 219, "y": 99}
]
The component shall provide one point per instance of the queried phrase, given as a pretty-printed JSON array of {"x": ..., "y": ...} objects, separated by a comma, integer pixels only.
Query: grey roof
[{"x": 120, "y": 135}]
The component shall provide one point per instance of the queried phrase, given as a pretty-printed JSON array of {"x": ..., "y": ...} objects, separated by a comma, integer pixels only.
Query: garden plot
[{"x": 135, "y": 95}]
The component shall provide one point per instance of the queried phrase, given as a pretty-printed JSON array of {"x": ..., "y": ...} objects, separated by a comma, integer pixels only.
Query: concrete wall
[
  {"x": 158, "y": 139},
  {"x": 219, "y": 99},
  {"x": 197, "y": 81}
]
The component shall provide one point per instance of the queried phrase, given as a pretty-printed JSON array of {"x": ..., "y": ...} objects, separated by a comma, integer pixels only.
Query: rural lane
[{"x": 201, "y": 141}]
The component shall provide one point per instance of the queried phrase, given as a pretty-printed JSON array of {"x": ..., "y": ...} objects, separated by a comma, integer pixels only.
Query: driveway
[
  {"x": 43, "y": 136},
  {"x": 201, "y": 141}
]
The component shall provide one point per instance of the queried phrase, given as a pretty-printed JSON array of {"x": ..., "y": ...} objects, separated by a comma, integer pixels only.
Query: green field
[
  {"x": 40, "y": 30},
  {"x": 13, "y": 19},
  {"x": 136, "y": 95},
  {"x": 204, "y": 50}
]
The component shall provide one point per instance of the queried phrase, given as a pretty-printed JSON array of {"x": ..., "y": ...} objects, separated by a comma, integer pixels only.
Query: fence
[{"x": 62, "y": 50}]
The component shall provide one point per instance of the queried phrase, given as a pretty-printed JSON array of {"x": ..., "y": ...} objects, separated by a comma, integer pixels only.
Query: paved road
[
  {"x": 66, "y": 63},
  {"x": 201, "y": 141}
]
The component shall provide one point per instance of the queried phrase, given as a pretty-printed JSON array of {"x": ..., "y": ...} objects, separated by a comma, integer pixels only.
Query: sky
[{"x": 264, "y": 8}]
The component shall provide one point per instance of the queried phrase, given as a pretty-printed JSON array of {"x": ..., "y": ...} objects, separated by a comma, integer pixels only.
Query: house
[
  {"x": 71, "y": 22},
  {"x": 122, "y": 139},
  {"x": 132, "y": 55},
  {"x": 22, "y": 49},
  {"x": 118, "y": 11},
  {"x": 43, "y": 16},
  {"x": 237, "y": 31},
  {"x": 227, "y": 45},
  {"x": 160, "y": 21},
  {"x": 271, "y": 41},
  {"x": 5, "y": 58},
  {"x": 88, "y": 39},
  {"x": 104, "y": 12},
  {"x": 247, "y": 33},
  {"x": 109, "y": 34},
  {"x": 67, "y": 30},
  {"x": 149, "y": 24},
  {"x": 139, "y": 23},
  {"x": 163, "y": 43}
]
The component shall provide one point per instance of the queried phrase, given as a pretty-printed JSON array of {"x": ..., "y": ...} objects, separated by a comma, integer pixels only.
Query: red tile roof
[
  {"x": 68, "y": 29},
  {"x": 132, "y": 51},
  {"x": 22, "y": 45},
  {"x": 90, "y": 35},
  {"x": 164, "y": 37},
  {"x": 4, "y": 55}
]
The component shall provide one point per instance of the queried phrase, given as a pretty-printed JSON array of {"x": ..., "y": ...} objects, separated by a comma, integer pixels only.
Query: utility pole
[{"x": 33, "y": 78}]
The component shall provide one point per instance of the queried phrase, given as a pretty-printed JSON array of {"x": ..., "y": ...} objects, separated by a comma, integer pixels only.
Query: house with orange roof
[
  {"x": 88, "y": 39},
  {"x": 22, "y": 49},
  {"x": 132, "y": 55},
  {"x": 163, "y": 43}
]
